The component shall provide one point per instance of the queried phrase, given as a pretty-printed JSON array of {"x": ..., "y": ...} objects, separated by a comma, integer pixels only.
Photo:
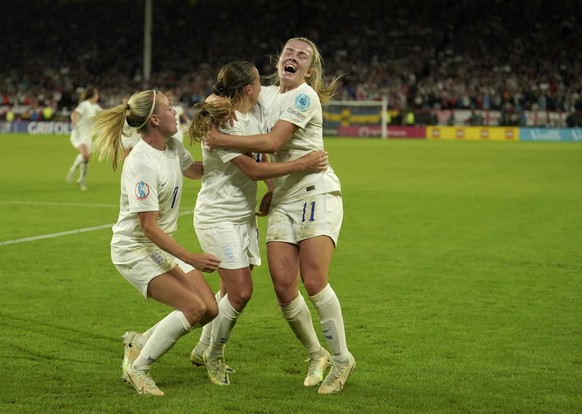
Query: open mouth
[{"x": 290, "y": 68}]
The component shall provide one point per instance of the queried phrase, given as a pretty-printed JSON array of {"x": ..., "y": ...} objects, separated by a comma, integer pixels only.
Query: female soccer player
[
  {"x": 224, "y": 216},
  {"x": 306, "y": 211},
  {"x": 82, "y": 136},
  {"x": 142, "y": 247}
]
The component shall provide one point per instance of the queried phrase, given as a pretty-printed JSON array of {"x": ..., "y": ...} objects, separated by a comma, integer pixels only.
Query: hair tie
[
  {"x": 151, "y": 111},
  {"x": 127, "y": 106}
]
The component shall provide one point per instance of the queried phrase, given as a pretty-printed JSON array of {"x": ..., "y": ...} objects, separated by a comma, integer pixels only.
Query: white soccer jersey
[
  {"x": 130, "y": 137},
  {"x": 151, "y": 180},
  {"x": 227, "y": 194},
  {"x": 301, "y": 107},
  {"x": 179, "y": 135},
  {"x": 82, "y": 129}
]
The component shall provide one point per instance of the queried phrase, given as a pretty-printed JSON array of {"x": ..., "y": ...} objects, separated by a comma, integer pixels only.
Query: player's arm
[
  {"x": 269, "y": 143},
  {"x": 148, "y": 221},
  {"x": 315, "y": 161},
  {"x": 74, "y": 117},
  {"x": 194, "y": 171}
]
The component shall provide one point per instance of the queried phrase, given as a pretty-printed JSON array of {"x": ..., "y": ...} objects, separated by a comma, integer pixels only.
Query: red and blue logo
[{"x": 142, "y": 190}]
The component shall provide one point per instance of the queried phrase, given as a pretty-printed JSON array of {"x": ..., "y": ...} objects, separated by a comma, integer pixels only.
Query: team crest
[
  {"x": 302, "y": 102},
  {"x": 157, "y": 257},
  {"x": 142, "y": 190}
]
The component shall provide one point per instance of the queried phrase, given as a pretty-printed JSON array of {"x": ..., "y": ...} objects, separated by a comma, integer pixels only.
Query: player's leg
[
  {"x": 192, "y": 299},
  {"x": 75, "y": 141},
  {"x": 239, "y": 289},
  {"x": 315, "y": 258},
  {"x": 84, "y": 150},
  {"x": 237, "y": 247},
  {"x": 284, "y": 269}
]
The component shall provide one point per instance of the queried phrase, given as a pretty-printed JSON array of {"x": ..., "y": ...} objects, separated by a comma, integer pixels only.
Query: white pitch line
[
  {"x": 56, "y": 203},
  {"x": 52, "y": 235},
  {"x": 66, "y": 233}
]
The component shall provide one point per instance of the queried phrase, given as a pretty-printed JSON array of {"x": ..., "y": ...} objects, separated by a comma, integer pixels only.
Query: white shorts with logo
[
  {"x": 141, "y": 269},
  {"x": 236, "y": 245},
  {"x": 318, "y": 215}
]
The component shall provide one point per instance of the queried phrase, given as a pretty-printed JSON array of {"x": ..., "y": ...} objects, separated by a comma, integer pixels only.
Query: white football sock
[
  {"x": 332, "y": 322},
  {"x": 222, "y": 326},
  {"x": 143, "y": 338},
  {"x": 167, "y": 332},
  {"x": 83, "y": 173},
  {"x": 299, "y": 319},
  {"x": 78, "y": 161}
]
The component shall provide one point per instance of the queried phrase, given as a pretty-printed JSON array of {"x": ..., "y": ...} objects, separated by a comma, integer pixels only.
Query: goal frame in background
[{"x": 333, "y": 119}]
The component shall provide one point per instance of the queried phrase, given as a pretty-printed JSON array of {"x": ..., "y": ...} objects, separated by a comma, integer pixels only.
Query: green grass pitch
[{"x": 459, "y": 270}]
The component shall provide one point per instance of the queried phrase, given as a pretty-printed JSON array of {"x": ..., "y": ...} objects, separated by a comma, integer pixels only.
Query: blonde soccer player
[
  {"x": 142, "y": 248},
  {"x": 306, "y": 210}
]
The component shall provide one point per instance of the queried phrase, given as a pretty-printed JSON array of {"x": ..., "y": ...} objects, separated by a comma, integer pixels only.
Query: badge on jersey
[
  {"x": 142, "y": 190},
  {"x": 302, "y": 102}
]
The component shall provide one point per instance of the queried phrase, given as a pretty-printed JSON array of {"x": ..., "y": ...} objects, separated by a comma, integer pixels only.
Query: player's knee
[
  {"x": 314, "y": 285},
  {"x": 211, "y": 309},
  {"x": 246, "y": 295},
  {"x": 285, "y": 292},
  {"x": 195, "y": 309}
]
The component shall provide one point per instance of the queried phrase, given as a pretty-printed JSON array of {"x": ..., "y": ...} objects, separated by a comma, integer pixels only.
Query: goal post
[{"x": 370, "y": 118}]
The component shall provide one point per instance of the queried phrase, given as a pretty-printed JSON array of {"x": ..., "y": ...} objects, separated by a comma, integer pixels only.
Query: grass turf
[{"x": 458, "y": 269}]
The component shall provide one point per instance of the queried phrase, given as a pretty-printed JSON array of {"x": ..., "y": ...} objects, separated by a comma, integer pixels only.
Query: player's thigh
[
  {"x": 172, "y": 291},
  {"x": 315, "y": 257}
]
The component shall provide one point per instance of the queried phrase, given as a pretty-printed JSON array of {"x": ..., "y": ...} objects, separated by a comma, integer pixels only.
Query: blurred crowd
[{"x": 438, "y": 54}]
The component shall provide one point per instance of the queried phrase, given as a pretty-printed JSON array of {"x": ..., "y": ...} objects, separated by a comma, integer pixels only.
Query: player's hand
[
  {"x": 204, "y": 262},
  {"x": 315, "y": 161},
  {"x": 211, "y": 138},
  {"x": 265, "y": 204}
]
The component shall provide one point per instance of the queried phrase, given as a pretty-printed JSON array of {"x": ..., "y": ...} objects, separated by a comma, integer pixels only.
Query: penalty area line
[{"x": 66, "y": 233}]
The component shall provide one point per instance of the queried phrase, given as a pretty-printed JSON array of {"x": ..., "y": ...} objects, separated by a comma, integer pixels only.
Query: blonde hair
[
  {"x": 108, "y": 125},
  {"x": 325, "y": 92},
  {"x": 230, "y": 84}
]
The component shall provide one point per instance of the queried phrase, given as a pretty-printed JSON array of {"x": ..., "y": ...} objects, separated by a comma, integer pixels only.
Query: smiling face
[
  {"x": 165, "y": 116},
  {"x": 294, "y": 65}
]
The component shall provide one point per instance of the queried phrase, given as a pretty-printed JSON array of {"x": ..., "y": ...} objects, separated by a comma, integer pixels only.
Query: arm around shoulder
[{"x": 269, "y": 143}]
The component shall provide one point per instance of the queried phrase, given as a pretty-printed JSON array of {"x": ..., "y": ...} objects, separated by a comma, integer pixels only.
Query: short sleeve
[
  {"x": 141, "y": 185},
  {"x": 300, "y": 107}
]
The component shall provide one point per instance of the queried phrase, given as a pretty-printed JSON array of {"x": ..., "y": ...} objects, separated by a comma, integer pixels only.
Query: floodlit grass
[{"x": 459, "y": 270}]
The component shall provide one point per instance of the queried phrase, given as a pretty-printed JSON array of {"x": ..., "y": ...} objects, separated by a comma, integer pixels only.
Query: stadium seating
[{"x": 442, "y": 54}]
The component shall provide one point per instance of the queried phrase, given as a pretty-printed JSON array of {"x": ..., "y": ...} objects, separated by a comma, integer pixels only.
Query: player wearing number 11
[{"x": 306, "y": 210}]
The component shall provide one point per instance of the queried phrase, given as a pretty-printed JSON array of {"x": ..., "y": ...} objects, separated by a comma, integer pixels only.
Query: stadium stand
[{"x": 507, "y": 55}]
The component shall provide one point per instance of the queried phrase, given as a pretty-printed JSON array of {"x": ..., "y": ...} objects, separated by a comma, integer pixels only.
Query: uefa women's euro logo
[
  {"x": 302, "y": 102},
  {"x": 142, "y": 190}
]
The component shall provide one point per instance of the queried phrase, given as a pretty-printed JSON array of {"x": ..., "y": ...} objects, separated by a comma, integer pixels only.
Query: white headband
[{"x": 151, "y": 112}]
